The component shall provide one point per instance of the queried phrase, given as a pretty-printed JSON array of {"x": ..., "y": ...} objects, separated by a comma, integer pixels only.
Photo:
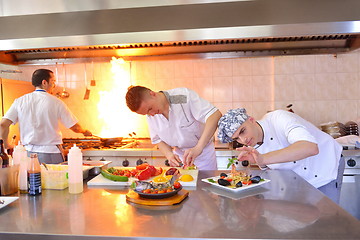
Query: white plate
[
  {"x": 244, "y": 187},
  {"x": 4, "y": 201}
]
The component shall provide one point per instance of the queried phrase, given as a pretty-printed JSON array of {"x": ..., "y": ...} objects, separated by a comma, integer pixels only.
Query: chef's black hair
[{"x": 39, "y": 75}]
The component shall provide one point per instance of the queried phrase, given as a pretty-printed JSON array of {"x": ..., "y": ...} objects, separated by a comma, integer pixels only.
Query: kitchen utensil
[
  {"x": 87, "y": 90},
  {"x": 64, "y": 93},
  {"x": 45, "y": 166},
  {"x": 92, "y": 81}
]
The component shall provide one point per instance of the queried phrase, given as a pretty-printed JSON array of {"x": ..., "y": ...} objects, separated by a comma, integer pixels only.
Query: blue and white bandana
[{"x": 230, "y": 122}]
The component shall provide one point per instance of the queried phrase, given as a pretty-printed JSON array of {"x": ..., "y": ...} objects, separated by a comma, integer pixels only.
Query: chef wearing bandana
[{"x": 284, "y": 140}]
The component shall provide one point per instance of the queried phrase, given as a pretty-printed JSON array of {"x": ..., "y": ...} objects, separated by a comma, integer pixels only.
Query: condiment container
[
  {"x": 9, "y": 180},
  {"x": 34, "y": 175},
  {"x": 75, "y": 170},
  {"x": 21, "y": 158},
  {"x": 54, "y": 177}
]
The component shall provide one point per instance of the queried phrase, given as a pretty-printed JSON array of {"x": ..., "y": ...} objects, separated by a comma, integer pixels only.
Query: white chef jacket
[
  {"x": 39, "y": 114},
  {"x": 282, "y": 128},
  {"x": 187, "y": 116}
]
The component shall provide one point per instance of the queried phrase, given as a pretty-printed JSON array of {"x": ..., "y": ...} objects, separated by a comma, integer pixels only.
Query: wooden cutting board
[{"x": 178, "y": 198}]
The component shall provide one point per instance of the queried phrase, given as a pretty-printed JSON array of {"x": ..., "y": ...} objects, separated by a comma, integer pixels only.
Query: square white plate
[
  {"x": 4, "y": 201},
  {"x": 244, "y": 187}
]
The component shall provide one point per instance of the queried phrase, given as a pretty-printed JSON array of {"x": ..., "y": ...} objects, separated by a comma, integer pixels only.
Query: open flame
[{"x": 117, "y": 119}]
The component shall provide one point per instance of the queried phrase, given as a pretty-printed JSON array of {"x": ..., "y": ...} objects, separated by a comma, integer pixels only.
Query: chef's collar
[
  {"x": 40, "y": 90},
  {"x": 264, "y": 125},
  {"x": 167, "y": 95}
]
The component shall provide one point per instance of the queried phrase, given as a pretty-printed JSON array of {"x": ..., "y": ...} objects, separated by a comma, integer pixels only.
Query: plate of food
[
  {"x": 4, "y": 201},
  {"x": 156, "y": 190},
  {"x": 236, "y": 181},
  {"x": 124, "y": 176}
]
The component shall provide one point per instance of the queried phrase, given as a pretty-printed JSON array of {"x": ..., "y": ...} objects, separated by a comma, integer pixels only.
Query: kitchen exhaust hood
[{"x": 208, "y": 29}]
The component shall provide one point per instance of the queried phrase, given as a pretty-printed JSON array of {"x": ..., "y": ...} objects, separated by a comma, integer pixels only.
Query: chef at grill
[
  {"x": 39, "y": 114},
  {"x": 179, "y": 119}
]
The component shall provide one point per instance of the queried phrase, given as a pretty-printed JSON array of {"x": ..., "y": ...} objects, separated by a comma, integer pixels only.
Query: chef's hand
[
  {"x": 250, "y": 154},
  {"x": 174, "y": 160},
  {"x": 190, "y": 155},
  {"x": 87, "y": 133}
]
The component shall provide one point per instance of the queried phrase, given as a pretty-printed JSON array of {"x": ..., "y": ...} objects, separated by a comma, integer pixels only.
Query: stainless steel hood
[{"x": 183, "y": 30}]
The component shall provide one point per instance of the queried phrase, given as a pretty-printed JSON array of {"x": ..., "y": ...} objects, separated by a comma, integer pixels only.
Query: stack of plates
[
  {"x": 335, "y": 129},
  {"x": 351, "y": 128}
]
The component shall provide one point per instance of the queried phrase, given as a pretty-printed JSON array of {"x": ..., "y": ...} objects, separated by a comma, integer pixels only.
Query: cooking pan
[{"x": 109, "y": 141}]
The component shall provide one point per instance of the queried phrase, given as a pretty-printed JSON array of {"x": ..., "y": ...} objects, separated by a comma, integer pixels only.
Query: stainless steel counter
[{"x": 285, "y": 208}]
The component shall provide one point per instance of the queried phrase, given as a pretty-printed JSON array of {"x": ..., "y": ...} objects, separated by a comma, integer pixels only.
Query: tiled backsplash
[{"x": 322, "y": 88}]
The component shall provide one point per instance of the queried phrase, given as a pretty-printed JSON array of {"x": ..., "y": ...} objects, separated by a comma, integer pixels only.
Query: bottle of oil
[
  {"x": 3, "y": 155},
  {"x": 34, "y": 175},
  {"x": 75, "y": 170}
]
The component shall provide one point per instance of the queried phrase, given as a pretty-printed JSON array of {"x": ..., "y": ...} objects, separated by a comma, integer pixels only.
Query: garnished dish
[
  {"x": 156, "y": 190},
  {"x": 124, "y": 176},
  {"x": 236, "y": 180},
  {"x": 163, "y": 186}
]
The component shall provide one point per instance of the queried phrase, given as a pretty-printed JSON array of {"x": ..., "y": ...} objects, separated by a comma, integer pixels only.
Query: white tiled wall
[{"x": 322, "y": 88}]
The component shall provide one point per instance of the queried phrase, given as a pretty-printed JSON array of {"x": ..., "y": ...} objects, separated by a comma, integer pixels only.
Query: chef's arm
[
  {"x": 210, "y": 127},
  {"x": 4, "y": 132},
  {"x": 78, "y": 129},
  {"x": 209, "y": 130},
  {"x": 165, "y": 149},
  {"x": 296, "y": 151}
]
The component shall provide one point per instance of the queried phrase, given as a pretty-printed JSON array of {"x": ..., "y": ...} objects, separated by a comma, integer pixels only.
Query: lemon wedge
[
  {"x": 160, "y": 179},
  {"x": 186, "y": 178}
]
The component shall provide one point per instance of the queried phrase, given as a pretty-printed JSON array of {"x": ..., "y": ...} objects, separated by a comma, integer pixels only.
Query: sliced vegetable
[
  {"x": 172, "y": 171},
  {"x": 144, "y": 174},
  {"x": 142, "y": 166},
  {"x": 118, "y": 178}
]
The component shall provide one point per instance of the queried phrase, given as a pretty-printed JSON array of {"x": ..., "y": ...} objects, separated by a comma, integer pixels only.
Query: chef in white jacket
[
  {"x": 284, "y": 140},
  {"x": 39, "y": 115},
  {"x": 181, "y": 123}
]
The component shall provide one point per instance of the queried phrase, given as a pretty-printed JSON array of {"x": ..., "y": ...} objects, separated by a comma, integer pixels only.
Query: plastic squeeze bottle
[
  {"x": 75, "y": 171},
  {"x": 20, "y": 157}
]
